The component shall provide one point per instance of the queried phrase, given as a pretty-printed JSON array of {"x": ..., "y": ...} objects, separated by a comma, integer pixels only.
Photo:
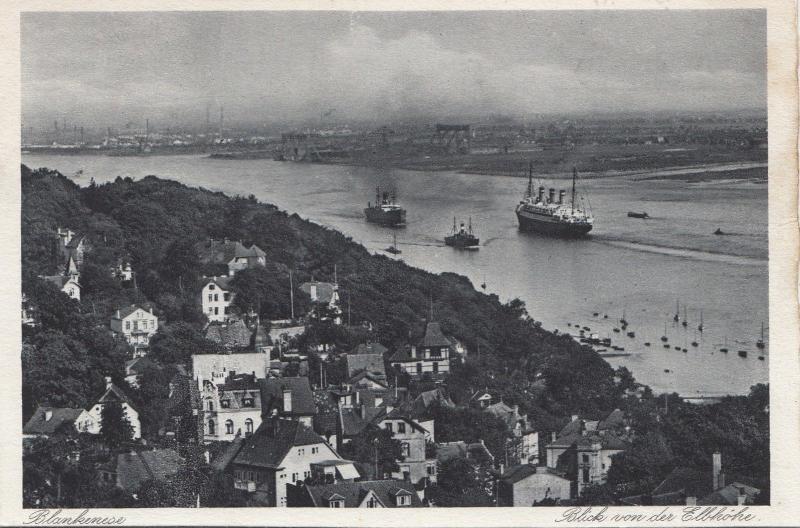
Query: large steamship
[
  {"x": 551, "y": 216},
  {"x": 385, "y": 211}
]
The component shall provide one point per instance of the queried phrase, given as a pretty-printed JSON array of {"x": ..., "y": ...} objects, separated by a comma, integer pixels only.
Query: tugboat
[
  {"x": 385, "y": 211},
  {"x": 462, "y": 238},
  {"x": 553, "y": 217}
]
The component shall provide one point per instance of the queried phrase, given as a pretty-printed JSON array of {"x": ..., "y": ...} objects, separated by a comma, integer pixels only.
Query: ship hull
[
  {"x": 395, "y": 218},
  {"x": 550, "y": 227}
]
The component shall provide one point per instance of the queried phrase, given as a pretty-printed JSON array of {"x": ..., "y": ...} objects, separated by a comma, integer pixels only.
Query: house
[
  {"x": 368, "y": 349},
  {"x": 523, "y": 446},
  {"x": 233, "y": 254},
  {"x": 429, "y": 355},
  {"x": 689, "y": 486},
  {"x": 324, "y": 295},
  {"x": 369, "y": 363},
  {"x": 28, "y": 312},
  {"x": 71, "y": 245},
  {"x": 231, "y": 335},
  {"x": 527, "y": 485},
  {"x": 216, "y": 367},
  {"x": 134, "y": 368},
  {"x": 369, "y": 380},
  {"x": 231, "y": 408},
  {"x": 481, "y": 399},
  {"x": 420, "y": 408},
  {"x": 67, "y": 281},
  {"x": 476, "y": 454},
  {"x": 290, "y": 398},
  {"x": 136, "y": 324},
  {"x": 48, "y": 421},
  {"x": 583, "y": 453},
  {"x": 128, "y": 471},
  {"x": 364, "y": 494},
  {"x": 122, "y": 271},
  {"x": 216, "y": 298},
  {"x": 279, "y": 453},
  {"x": 113, "y": 394},
  {"x": 416, "y": 466}
]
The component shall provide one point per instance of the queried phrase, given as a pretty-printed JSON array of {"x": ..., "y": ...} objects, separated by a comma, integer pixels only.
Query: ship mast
[
  {"x": 574, "y": 175},
  {"x": 530, "y": 179}
]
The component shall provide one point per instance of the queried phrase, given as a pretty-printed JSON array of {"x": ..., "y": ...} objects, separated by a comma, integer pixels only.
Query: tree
[
  {"x": 376, "y": 441},
  {"x": 458, "y": 485},
  {"x": 115, "y": 428}
]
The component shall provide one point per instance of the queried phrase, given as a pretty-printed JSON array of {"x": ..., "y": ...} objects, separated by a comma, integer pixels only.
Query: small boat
[
  {"x": 685, "y": 350},
  {"x": 718, "y": 232},
  {"x": 677, "y": 347},
  {"x": 595, "y": 314},
  {"x": 647, "y": 343},
  {"x": 606, "y": 341},
  {"x": 685, "y": 322},
  {"x": 569, "y": 324},
  {"x": 616, "y": 330},
  {"x": 666, "y": 345},
  {"x": 742, "y": 353},
  {"x": 760, "y": 342},
  {"x": 725, "y": 348},
  {"x": 462, "y": 238},
  {"x": 483, "y": 285},
  {"x": 393, "y": 249},
  {"x": 587, "y": 328},
  {"x": 700, "y": 327},
  {"x": 694, "y": 341},
  {"x": 632, "y": 214},
  {"x": 605, "y": 316},
  {"x": 666, "y": 370},
  {"x": 761, "y": 358},
  {"x": 677, "y": 316},
  {"x": 631, "y": 334},
  {"x": 664, "y": 338},
  {"x": 623, "y": 321}
]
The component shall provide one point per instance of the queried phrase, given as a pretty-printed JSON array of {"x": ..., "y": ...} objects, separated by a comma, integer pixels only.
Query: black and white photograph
[{"x": 399, "y": 259}]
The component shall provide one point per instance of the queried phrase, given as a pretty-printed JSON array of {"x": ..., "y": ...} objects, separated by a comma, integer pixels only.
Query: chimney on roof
[
  {"x": 287, "y": 400},
  {"x": 151, "y": 308},
  {"x": 108, "y": 382},
  {"x": 716, "y": 469},
  {"x": 118, "y": 315},
  {"x": 48, "y": 414},
  {"x": 553, "y": 436},
  {"x": 574, "y": 417},
  {"x": 502, "y": 468}
]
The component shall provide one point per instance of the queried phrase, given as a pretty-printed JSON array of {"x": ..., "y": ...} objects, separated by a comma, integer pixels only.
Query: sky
[{"x": 104, "y": 69}]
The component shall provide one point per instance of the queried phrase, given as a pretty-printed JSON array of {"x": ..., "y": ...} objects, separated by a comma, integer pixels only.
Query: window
[
  {"x": 389, "y": 427},
  {"x": 247, "y": 402},
  {"x": 127, "y": 325},
  {"x": 135, "y": 325},
  {"x": 372, "y": 503},
  {"x": 403, "y": 500},
  {"x": 336, "y": 504},
  {"x": 405, "y": 449},
  {"x": 248, "y": 425},
  {"x": 211, "y": 287},
  {"x": 225, "y": 404},
  {"x": 227, "y": 310},
  {"x": 435, "y": 367},
  {"x": 419, "y": 368},
  {"x": 585, "y": 459},
  {"x": 301, "y": 451},
  {"x": 211, "y": 310},
  {"x": 314, "y": 450},
  {"x": 436, "y": 352},
  {"x": 229, "y": 428},
  {"x": 216, "y": 311},
  {"x": 431, "y": 469},
  {"x": 210, "y": 405},
  {"x": 226, "y": 297},
  {"x": 210, "y": 297},
  {"x": 216, "y": 297},
  {"x": 294, "y": 477},
  {"x": 211, "y": 428},
  {"x": 401, "y": 428}
]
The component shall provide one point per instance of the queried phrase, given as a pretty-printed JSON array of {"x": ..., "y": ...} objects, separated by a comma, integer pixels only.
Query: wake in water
[{"x": 680, "y": 252}]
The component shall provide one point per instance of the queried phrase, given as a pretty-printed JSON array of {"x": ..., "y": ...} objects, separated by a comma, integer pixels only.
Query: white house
[
  {"x": 216, "y": 298},
  {"x": 430, "y": 355},
  {"x": 113, "y": 393},
  {"x": 136, "y": 324},
  {"x": 324, "y": 294},
  {"x": 51, "y": 420},
  {"x": 231, "y": 408},
  {"x": 67, "y": 281}
]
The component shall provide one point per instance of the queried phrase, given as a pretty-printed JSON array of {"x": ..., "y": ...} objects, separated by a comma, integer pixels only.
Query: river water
[{"x": 641, "y": 267}]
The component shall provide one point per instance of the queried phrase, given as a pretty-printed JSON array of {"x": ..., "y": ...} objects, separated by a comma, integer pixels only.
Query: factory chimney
[
  {"x": 561, "y": 196},
  {"x": 551, "y": 195}
]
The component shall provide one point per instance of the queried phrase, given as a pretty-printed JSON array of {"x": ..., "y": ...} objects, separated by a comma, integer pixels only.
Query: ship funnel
[
  {"x": 551, "y": 195},
  {"x": 561, "y": 196},
  {"x": 541, "y": 194}
]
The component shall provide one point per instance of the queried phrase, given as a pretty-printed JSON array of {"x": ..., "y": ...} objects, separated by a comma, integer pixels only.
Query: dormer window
[
  {"x": 211, "y": 286},
  {"x": 248, "y": 402},
  {"x": 403, "y": 499},
  {"x": 336, "y": 501},
  {"x": 226, "y": 404}
]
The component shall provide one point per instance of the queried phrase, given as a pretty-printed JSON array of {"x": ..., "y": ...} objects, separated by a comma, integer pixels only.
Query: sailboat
[
  {"x": 685, "y": 322},
  {"x": 694, "y": 341},
  {"x": 483, "y": 284},
  {"x": 700, "y": 326},
  {"x": 677, "y": 316},
  {"x": 623, "y": 321},
  {"x": 393, "y": 249},
  {"x": 725, "y": 348},
  {"x": 760, "y": 342},
  {"x": 664, "y": 337}
]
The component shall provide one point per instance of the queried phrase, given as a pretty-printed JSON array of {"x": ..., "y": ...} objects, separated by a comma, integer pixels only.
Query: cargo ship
[
  {"x": 385, "y": 211},
  {"x": 551, "y": 216},
  {"x": 462, "y": 238}
]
